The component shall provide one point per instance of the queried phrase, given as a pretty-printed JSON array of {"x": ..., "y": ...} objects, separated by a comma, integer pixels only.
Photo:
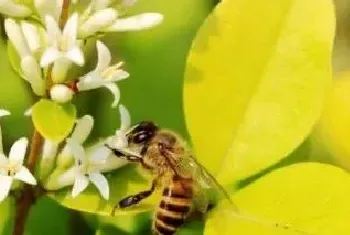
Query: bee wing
[{"x": 188, "y": 165}]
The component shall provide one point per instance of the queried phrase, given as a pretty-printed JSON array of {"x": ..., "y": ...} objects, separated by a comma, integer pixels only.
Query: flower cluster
[
  {"x": 51, "y": 49},
  {"x": 48, "y": 42}
]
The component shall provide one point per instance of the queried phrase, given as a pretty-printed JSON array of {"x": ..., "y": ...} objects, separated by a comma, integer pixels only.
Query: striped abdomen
[{"x": 174, "y": 206}]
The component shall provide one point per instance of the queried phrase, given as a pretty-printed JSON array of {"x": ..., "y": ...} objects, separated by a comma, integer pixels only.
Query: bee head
[{"x": 142, "y": 133}]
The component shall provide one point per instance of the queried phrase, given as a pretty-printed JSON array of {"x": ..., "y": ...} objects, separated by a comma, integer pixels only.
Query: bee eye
[{"x": 142, "y": 137}]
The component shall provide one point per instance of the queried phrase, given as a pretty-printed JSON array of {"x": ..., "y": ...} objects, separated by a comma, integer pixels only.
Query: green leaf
[
  {"x": 123, "y": 182},
  {"x": 14, "y": 59},
  {"x": 255, "y": 82},
  {"x": 6, "y": 216},
  {"x": 305, "y": 198},
  {"x": 54, "y": 121},
  {"x": 130, "y": 224}
]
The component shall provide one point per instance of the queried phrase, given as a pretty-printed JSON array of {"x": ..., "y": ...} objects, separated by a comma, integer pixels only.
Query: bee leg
[{"x": 135, "y": 199}]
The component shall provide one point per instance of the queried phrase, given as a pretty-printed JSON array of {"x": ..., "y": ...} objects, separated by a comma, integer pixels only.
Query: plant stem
[
  {"x": 64, "y": 13},
  {"x": 27, "y": 198},
  {"x": 28, "y": 194}
]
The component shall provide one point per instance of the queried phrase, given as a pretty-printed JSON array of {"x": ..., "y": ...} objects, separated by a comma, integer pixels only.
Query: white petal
[
  {"x": 82, "y": 129},
  {"x": 49, "y": 149},
  {"x": 125, "y": 119},
  {"x": 138, "y": 22},
  {"x": 15, "y": 10},
  {"x": 98, "y": 21},
  {"x": 99, "y": 155},
  {"x": 118, "y": 75},
  {"x": 24, "y": 175},
  {"x": 33, "y": 75},
  {"x": 101, "y": 183},
  {"x": 4, "y": 112},
  {"x": 76, "y": 55},
  {"x": 52, "y": 7},
  {"x": 18, "y": 150},
  {"x": 104, "y": 56},
  {"x": 53, "y": 31},
  {"x": 15, "y": 35},
  {"x": 50, "y": 55},
  {"x": 3, "y": 160},
  {"x": 28, "y": 112},
  {"x": 115, "y": 91},
  {"x": 69, "y": 33},
  {"x": 90, "y": 81},
  {"x": 5, "y": 186},
  {"x": 31, "y": 34},
  {"x": 76, "y": 149},
  {"x": 80, "y": 184},
  {"x": 61, "y": 93}
]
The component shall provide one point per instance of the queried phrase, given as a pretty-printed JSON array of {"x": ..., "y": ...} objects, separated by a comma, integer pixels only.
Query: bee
[{"x": 181, "y": 177}]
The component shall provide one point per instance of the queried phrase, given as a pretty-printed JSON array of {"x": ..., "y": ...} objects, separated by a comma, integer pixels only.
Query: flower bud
[
  {"x": 10, "y": 8},
  {"x": 98, "y": 21},
  {"x": 61, "y": 93},
  {"x": 32, "y": 73}
]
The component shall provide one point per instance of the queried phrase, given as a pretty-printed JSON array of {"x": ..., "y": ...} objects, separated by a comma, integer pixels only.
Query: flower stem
[
  {"x": 27, "y": 198},
  {"x": 29, "y": 194},
  {"x": 64, "y": 13}
]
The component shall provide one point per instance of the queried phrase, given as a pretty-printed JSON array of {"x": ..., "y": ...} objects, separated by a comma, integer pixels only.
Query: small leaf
[
  {"x": 255, "y": 82},
  {"x": 305, "y": 198},
  {"x": 14, "y": 59},
  {"x": 54, "y": 121},
  {"x": 123, "y": 182}
]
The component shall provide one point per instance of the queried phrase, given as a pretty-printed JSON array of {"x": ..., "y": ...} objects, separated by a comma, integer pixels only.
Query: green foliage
[
  {"x": 301, "y": 197},
  {"x": 54, "y": 121},
  {"x": 255, "y": 82}
]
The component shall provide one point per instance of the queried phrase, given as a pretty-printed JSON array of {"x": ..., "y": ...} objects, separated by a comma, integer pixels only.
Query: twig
[
  {"x": 64, "y": 13},
  {"x": 27, "y": 198},
  {"x": 28, "y": 194}
]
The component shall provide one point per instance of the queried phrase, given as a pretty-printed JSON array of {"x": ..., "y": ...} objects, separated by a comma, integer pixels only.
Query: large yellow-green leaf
[
  {"x": 255, "y": 82},
  {"x": 332, "y": 130},
  {"x": 305, "y": 198},
  {"x": 124, "y": 182}
]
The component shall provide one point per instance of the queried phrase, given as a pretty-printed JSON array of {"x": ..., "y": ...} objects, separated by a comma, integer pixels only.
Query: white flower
[
  {"x": 10, "y": 8},
  {"x": 63, "y": 47},
  {"x": 97, "y": 158},
  {"x": 32, "y": 34},
  {"x": 104, "y": 74},
  {"x": 135, "y": 23},
  {"x": 12, "y": 168},
  {"x": 97, "y": 21},
  {"x": 119, "y": 140},
  {"x": 61, "y": 93},
  {"x": 52, "y": 7},
  {"x": 82, "y": 130},
  {"x": 86, "y": 169},
  {"x": 24, "y": 39}
]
